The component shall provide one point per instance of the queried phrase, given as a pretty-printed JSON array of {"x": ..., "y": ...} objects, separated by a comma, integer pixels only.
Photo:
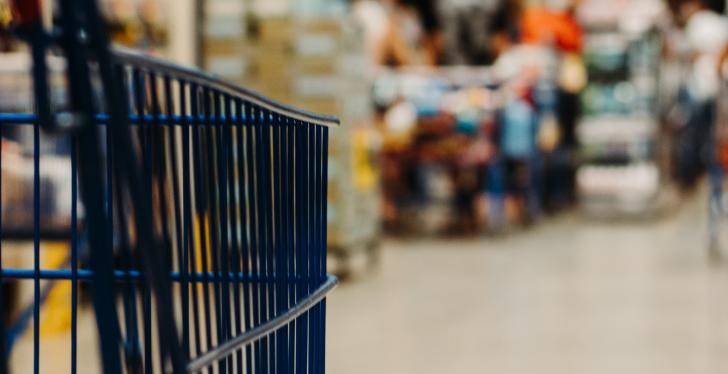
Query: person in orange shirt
[{"x": 553, "y": 24}]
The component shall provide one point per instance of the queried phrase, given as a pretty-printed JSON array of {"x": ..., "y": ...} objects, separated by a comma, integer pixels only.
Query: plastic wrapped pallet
[{"x": 311, "y": 54}]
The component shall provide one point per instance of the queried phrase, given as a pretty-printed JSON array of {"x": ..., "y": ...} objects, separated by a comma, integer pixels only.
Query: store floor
[{"x": 568, "y": 296}]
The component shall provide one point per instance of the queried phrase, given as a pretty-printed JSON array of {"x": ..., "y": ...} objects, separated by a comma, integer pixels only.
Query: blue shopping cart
[{"x": 197, "y": 212}]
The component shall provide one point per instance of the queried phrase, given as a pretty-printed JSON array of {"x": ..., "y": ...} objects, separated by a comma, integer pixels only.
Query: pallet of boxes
[
  {"x": 331, "y": 75},
  {"x": 311, "y": 55}
]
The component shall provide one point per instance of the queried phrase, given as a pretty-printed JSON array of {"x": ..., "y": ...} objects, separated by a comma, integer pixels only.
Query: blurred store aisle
[{"x": 566, "y": 297}]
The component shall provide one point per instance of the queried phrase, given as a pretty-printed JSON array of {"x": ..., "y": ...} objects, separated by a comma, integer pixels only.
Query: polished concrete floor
[{"x": 567, "y": 296}]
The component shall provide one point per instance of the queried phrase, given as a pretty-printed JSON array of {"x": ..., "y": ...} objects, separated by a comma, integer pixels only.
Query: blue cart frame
[{"x": 203, "y": 234}]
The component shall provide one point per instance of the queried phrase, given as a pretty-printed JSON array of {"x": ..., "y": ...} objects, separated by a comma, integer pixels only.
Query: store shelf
[{"x": 619, "y": 172}]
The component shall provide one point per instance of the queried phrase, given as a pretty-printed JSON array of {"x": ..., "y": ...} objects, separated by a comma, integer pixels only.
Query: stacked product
[
  {"x": 250, "y": 43},
  {"x": 331, "y": 75},
  {"x": 311, "y": 54},
  {"x": 271, "y": 57},
  {"x": 223, "y": 34}
]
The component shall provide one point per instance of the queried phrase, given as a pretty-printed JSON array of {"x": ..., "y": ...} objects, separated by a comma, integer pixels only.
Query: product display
[
  {"x": 311, "y": 53},
  {"x": 139, "y": 24},
  {"x": 620, "y": 171},
  {"x": 462, "y": 144}
]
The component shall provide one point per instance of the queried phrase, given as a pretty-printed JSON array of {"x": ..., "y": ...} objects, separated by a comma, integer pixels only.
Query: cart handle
[
  {"x": 263, "y": 330},
  {"x": 127, "y": 56}
]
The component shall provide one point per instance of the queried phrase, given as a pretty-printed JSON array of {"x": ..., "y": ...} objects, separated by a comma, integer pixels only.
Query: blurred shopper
[
  {"x": 718, "y": 6},
  {"x": 518, "y": 148},
  {"x": 412, "y": 36},
  {"x": 506, "y": 27},
  {"x": 705, "y": 36},
  {"x": 466, "y": 31},
  {"x": 475, "y": 32},
  {"x": 553, "y": 23}
]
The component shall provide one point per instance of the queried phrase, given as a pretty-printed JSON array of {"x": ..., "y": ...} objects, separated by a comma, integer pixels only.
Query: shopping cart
[{"x": 201, "y": 225}]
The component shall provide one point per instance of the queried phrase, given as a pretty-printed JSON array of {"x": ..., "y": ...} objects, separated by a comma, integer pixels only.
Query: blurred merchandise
[
  {"x": 620, "y": 170},
  {"x": 7, "y": 42},
  {"x": 463, "y": 145},
  {"x": 139, "y": 24},
  {"x": 55, "y": 188},
  {"x": 16, "y": 96},
  {"x": 16, "y": 84},
  {"x": 632, "y": 17}
]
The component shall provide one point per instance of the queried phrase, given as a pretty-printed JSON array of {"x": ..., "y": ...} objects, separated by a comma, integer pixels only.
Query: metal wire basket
[{"x": 197, "y": 213}]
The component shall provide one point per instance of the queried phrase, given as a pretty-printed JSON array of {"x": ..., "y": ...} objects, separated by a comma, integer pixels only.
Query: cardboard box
[
  {"x": 273, "y": 31},
  {"x": 217, "y": 47},
  {"x": 323, "y": 24},
  {"x": 316, "y": 44}
]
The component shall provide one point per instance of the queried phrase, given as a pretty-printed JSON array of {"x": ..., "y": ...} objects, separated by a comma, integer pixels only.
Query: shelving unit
[{"x": 620, "y": 173}]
